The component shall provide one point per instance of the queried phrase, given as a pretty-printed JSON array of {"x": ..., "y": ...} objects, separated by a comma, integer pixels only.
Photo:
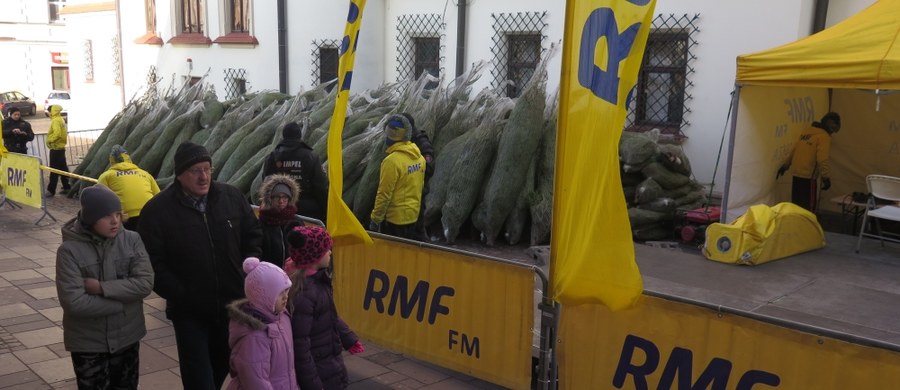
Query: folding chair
[{"x": 885, "y": 188}]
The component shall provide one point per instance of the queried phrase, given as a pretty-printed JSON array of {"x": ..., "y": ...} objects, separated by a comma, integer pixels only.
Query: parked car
[
  {"x": 60, "y": 98},
  {"x": 16, "y": 99}
]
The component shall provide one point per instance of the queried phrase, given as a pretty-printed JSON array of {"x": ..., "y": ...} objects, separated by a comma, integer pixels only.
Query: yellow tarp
[
  {"x": 860, "y": 52},
  {"x": 764, "y": 234}
]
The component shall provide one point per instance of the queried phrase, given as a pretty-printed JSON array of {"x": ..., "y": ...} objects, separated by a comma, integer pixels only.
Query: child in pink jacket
[{"x": 262, "y": 350}]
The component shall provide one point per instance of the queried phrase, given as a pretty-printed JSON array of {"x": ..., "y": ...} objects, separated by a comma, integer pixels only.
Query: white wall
[{"x": 94, "y": 102}]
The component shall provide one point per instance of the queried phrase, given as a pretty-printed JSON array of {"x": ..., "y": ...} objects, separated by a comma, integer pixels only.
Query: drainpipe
[
  {"x": 121, "y": 54},
  {"x": 282, "y": 46},
  {"x": 461, "y": 38},
  {"x": 820, "y": 13}
]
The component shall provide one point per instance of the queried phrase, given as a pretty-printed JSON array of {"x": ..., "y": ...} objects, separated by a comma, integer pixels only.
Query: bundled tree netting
[{"x": 494, "y": 155}]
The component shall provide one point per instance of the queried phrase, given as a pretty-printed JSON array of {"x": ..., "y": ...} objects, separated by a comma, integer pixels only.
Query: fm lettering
[
  {"x": 601, "y": 23},
  {"x": 677, "y": 373}
]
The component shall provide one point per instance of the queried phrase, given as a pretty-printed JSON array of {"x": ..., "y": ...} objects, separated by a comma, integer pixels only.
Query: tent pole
[{"x": 735, "y": 99}]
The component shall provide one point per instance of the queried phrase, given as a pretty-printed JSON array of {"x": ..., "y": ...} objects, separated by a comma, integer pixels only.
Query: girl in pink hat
[
  {"x": 260, "y": 337},
  {"x": 320, "y": 335}
]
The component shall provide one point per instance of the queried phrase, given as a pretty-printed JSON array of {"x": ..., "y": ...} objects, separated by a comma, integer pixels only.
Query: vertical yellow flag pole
[
  {"x": 342, "y": 224},
  {"x": 592, "y": 252}
]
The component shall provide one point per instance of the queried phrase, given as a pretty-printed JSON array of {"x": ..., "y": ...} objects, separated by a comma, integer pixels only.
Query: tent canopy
[{"x": 860, "y": 52}]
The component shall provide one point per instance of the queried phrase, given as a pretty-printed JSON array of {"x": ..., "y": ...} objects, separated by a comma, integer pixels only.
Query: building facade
[{"x": 292, "y": 45}]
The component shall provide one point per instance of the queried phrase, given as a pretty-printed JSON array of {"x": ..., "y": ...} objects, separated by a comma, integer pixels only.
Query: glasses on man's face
[{"x": 197, "y": 171}]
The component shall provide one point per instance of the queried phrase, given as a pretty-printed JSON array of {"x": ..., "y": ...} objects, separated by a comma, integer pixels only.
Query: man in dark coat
[
  {"x": 17, "y": 132},
  {"x": 198, "y": 233},
  {"x": 295, "y": 158}
]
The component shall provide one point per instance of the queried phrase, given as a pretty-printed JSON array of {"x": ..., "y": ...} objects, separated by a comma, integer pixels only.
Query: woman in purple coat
[
  {"x": 259, "y": 334},
  {"x": 320, "y": 335}
]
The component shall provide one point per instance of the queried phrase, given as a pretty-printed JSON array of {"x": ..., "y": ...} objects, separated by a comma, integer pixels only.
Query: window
[
  {"x": 54, "y": 7},
  {"x": 191, "y": 16},
  {"x": 523, "y": 57},
  {"x": 427, "y": 58},
  {"x": 328, "y": 64},
  {"x": 235, "y": 82},
  {"x": 150, "y": 15},
  {"x": 238, "y": 15},
  {"x": 662, "y": 81},
  {"x": 60, "y": 77}
]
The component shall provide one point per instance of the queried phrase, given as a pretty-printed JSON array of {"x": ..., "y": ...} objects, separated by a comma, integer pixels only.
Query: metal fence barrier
[{"x": 77, "y": 146}]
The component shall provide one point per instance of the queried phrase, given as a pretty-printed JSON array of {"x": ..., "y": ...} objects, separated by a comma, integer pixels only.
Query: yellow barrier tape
[{"x": 69, "y": 174}]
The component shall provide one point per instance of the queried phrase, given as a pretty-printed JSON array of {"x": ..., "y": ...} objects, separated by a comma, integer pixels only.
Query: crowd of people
[{"x": 249, "y": 297}]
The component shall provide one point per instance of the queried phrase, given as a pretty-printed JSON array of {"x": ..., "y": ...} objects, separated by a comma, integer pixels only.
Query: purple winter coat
[
  {"x": 319, "y": 336},
  {"x": 261, "y": 349}
]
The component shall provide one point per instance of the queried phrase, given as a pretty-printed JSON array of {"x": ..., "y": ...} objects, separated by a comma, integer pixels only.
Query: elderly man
[{"x": 198, "y": 232}]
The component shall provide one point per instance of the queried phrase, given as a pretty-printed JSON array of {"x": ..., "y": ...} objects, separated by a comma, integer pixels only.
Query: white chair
[{"x": 886, "y": 188}]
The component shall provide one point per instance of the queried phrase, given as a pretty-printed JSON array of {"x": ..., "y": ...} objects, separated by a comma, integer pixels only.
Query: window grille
[
  {"x": 325, "y": 59},
  {"x": 235, "y": 82},
  {"x": 419, "y": 45},
  {"x": 54, "y": 6},
  {"x": 88, "y": 50},
  {"x": 152, "y": 80},
  {"x": 191, "y": 16},
  {"x": 239, "y": 15},
  {"x": 514, "y": 43},
  {"x": 150, "y": 15},
  {"x": 664, "y": 84},
  {"x": 117, "y": 60}
]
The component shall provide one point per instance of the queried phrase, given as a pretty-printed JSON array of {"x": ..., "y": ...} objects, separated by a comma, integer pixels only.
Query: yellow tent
[{"x": 852, "y": 68}]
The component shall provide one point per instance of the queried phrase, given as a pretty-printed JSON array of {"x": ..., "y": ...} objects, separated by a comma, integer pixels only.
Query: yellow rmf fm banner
[
  {"x": 22, "y": 179},
  {"x": 461, "y": 312},
  {"x": 662, "y": 344}
]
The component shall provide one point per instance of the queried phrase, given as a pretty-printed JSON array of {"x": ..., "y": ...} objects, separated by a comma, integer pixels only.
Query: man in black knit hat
[
  {"x": 295, "y": 158},
  {"x": 198, "y": 233}
]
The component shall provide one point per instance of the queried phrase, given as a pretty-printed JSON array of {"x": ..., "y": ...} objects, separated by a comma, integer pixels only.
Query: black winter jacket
[
  {"x": 198, "y": 257},
  {"x": 293, "y": 157},
  {"x": 320, "y": 335},
  {"x": 274, "y": 246},
  {"x": 17, "y": 143}
]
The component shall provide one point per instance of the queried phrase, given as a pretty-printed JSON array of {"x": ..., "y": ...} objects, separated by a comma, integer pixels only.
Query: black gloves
[
  {"x": 375, "y": 227},
  {"x": 826, "y": 184},
  {"x": 781, "y": 171}
]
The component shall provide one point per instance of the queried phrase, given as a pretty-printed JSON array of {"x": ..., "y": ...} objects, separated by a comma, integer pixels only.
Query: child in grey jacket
[{"x": 103, "y": 274}]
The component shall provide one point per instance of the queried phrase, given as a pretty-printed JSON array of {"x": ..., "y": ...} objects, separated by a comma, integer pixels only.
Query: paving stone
[
  {"x": 384, "y": 358},
  {"x": 54, "y": 314},
  {"x": 32, "y": 283},
  {"x": 24, "y": 379},
  {"x": 390, "y": 377},
  {"x": 408, "y": 384},
  {"x": 65, "y": 385},
  {"x": 30, "y": 247},
  {"x": 152, "y": 322},
  {"x": 160, "y": 342},
  {"x": 480, "y": 384},
  {"x": 170, "y": 351},
  {"x": 20, "y": 275},
  {"x": 160, "y": 380},
  {"x": 30, "y": 326},
  {"x": 450, "y": 384},
  {"x": 367, "y": 385},
  {"x": 161, "y": 332},
  {"x": 153, "y": 360},
  {"x": 16, "y": 264},
  {"x": 52, "y": 371},
  {"x": 9, "y": 254},
  {"x": 35, "y": 355},
  {"x": 43, "y": 292},
  {"x": 59, "y": 349},
  {"x": 12, "y": 294},
  {"x": 22, "y": 319},
  {"x": 9, "y": 364},
  {"x": 359, "y": 368},
  {"x": 15, "y": 310},
  {"x": 41, "y": 337},
  {"x": 417, "y": 371},
  {"x": 157, "y": 303},
  {"x": 44, "y": 304},
  {"x": 49, "y": 272}
]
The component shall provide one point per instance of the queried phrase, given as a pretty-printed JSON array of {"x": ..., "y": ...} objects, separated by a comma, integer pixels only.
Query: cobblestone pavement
[{"x": 32, "y": 355}]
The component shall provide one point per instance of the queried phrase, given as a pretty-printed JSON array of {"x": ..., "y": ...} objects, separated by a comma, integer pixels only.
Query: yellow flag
[
  {"x": 342, "y": 224},
  {"x": 592, "y": 250}
]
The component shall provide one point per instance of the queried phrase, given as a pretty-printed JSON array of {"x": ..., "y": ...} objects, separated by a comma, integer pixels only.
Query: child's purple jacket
[{"x": 262, "y": 349}]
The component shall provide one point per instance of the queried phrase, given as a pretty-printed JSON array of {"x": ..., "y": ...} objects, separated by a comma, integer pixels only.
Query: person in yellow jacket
[
  {"x": 809, "y": 160},
  {"x": 56, "y": 143},
  {"x": 401, "y": 181},
  {"x": 133, "y": 185}
]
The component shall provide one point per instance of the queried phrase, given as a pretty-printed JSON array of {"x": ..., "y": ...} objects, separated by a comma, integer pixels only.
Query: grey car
[{"x": 16, "y": 99}]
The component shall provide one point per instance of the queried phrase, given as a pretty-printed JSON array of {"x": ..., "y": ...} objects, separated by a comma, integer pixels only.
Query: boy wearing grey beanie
[{"x": 103, "y": 274}]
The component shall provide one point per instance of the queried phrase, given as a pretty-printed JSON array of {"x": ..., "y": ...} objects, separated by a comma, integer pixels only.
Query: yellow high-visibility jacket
[
  {"x": 133, "y": 185},
  {"x": 811, "y": 154},
  {"x": 57, "y": 135},
  {"x": 399, "y": 193}
]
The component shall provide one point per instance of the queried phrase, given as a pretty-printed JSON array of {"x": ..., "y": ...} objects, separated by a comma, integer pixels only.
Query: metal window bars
[
  {"x": 235, "y": 82},
  {"x": 416, "y": 49},
  {"x": 664, "y": 83},
  {"x": 87, "y": 48},
  {"x": 117, "y": 60},
  {"x": 515, "y": 35},
  {"x": 324, "y": 55}
]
